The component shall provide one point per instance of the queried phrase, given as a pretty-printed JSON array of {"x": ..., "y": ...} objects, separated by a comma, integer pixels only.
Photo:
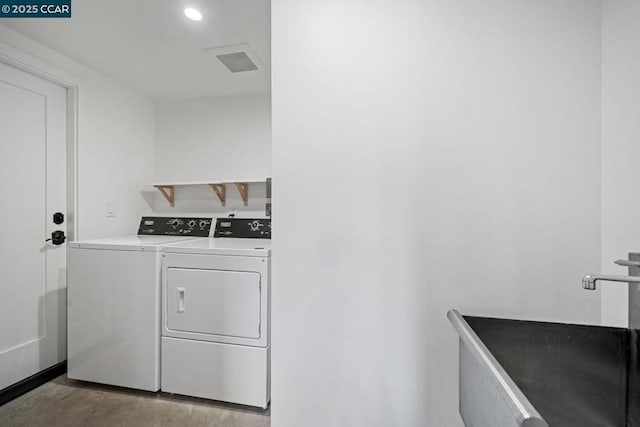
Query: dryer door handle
[{"x": 181, "y": 300}]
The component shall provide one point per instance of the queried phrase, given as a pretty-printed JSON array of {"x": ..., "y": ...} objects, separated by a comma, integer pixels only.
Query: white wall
[
  {"x": 209, "y": 139},
  {"x": 115, "y": 140},
  {"x": 427, "y": 155},
  {"x": 620, "y": 148},
  {"x": 225, "y": 137}
]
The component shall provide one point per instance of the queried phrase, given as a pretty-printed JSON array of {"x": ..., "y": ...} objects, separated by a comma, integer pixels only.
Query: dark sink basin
[{"x": 572, "y": 375}]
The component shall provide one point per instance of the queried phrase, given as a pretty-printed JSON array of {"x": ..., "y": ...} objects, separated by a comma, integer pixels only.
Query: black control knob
[
  {"x": 174, "y": 222},
  {"x": 255, "y": 225},
  {"x": 203, "y": 224},
  {"x": 192, "y": 223}
]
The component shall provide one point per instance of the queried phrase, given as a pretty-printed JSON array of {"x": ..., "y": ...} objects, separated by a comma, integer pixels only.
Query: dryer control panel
[
  {"x": 175, "y": 226},
  {"x": 243, "y": 228}
]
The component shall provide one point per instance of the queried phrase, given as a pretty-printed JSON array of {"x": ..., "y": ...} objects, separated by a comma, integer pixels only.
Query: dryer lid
[{"x": 222, "y": 246}]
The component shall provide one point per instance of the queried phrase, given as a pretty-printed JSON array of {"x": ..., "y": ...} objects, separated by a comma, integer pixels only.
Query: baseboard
[{"x": 18, "y": 389}]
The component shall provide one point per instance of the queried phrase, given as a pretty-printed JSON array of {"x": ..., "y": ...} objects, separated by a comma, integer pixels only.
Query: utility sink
[{"x": 535, "y": 374}]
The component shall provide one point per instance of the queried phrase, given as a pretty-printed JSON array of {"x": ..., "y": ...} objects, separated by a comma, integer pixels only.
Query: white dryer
[
  {"x": 215, "y": 314},
  {"x": 113, "y": 296}
]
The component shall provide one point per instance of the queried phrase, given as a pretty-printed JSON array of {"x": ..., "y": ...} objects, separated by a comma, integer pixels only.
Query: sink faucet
[
  {"x": 589, "y": 281},
  {"x": 633, "y": 279}
]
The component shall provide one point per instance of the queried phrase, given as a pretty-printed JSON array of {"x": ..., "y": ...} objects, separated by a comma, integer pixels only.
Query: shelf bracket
[
  {"x": 243, "y": 188},
  {"x": 221, "y": 192},
  {"x": 170, "y": 195}
]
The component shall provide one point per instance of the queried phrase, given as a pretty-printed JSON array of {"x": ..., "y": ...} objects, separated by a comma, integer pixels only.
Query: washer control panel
[
  {"x": 243, "y": 228},
  {"x": 175, "y": 226}
]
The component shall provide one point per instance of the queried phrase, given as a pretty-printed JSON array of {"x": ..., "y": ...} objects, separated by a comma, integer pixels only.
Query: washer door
[{"x": 213, "y": 302}]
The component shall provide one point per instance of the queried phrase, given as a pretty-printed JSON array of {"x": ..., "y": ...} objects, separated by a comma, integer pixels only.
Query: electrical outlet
[{"x": 111, "y": 209}]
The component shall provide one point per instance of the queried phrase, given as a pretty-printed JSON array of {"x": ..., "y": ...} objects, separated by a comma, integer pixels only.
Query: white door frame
[{"x": 22, "y": 60}]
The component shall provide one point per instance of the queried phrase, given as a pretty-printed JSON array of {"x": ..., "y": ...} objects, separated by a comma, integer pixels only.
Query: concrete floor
[{"x": 69, "y": 403}]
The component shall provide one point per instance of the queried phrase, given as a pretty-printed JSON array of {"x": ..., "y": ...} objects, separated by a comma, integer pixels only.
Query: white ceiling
[{"x": 151, "y": 46}]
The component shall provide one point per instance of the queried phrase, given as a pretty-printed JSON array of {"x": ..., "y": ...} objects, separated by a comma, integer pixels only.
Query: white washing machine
[
  {"x": 113, "y": 300},
  {"x": 215, "y": 314}
]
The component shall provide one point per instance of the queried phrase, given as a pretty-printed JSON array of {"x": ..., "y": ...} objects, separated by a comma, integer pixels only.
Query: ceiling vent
[
  {"x": 237, "y": 62},
  {"x": 237, "y": 58}
]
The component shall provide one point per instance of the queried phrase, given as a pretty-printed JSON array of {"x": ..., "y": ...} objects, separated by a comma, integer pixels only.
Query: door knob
[{"x": 57, "y": 237}]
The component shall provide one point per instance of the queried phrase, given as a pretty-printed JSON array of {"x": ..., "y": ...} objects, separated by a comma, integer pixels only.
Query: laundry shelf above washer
[{"x": 219, "y": 187}]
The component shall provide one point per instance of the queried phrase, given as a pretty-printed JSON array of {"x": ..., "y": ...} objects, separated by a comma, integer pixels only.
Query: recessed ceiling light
[{"x": 193, "y": 14}]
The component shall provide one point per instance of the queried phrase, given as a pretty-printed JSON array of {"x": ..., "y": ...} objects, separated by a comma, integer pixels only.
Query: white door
[{"x": 33, "y": 183}]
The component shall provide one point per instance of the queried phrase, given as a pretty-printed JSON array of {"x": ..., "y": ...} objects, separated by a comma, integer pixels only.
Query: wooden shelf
[
  {"x": 219, "y": 187},
  {"x": 213, "y": 181}
]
